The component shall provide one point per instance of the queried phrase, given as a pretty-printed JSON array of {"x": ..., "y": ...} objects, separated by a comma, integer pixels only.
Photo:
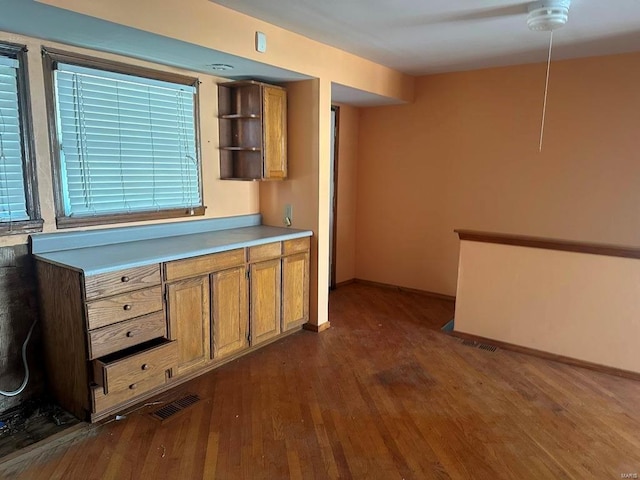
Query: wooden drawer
[
  {"x": 119, "y": 336},
  {"x": 128, "y": 370},
  {"x": 112, "y": 283},
  {"x": 296, "y": 245},
  {"x": 103, "y": 401},
  {"x": 265, "y": 252},
  {"x": 107, "y": 311},
  {"x": 203, "y": 265}
]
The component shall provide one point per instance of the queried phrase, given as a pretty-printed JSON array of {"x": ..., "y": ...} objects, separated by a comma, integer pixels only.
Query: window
[
  {"x": 18, "y": 203},
  {"x": 125, "y": 142}
]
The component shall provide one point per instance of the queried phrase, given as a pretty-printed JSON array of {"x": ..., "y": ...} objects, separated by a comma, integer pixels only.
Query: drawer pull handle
[
  {"x": 132, "y": 386},
  {"x": 130, "y": 334},
  {"x": 125, "y": 279},
  {"x": 145, "y": 366},
  {"x": 127, "y": 307}
]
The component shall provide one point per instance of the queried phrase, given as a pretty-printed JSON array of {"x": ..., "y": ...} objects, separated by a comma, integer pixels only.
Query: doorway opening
[{"x": 333, "y": 193}]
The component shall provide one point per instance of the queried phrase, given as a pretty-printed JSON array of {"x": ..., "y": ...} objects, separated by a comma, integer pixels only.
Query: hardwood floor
[{"x": 382, "y": 394}]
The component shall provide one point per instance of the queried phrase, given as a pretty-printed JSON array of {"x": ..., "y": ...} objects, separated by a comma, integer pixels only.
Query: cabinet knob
[
  {"x": 145, "y": 366},
  {"x": 125, "y": 279},
  {"x": 133, "y": 386},
  {"x": 127, "y": 307},
  {"x": 130, "y": 334}
]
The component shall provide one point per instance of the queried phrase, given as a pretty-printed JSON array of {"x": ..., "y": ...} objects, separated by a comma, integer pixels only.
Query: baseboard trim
[
  {"x": 425, "y": 293},
  {"x": 317, "y": 328},
  {"x": 345, "y": 283},
  {"x": 618, "y": 372}
]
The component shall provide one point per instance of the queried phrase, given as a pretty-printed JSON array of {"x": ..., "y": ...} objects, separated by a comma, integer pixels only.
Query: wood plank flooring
[{"x": 382, "y": 394}]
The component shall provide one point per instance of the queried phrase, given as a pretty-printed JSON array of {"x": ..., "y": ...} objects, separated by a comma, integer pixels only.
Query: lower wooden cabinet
[
  {"x": 265, "y": 300},
  {"x": 188, "y": 316},
  {"x": 229, "y": 312},
  {"x": 104, "y": 337},
  {"x": 114, "y": 339},
  {"x": 295, "y": 290}
]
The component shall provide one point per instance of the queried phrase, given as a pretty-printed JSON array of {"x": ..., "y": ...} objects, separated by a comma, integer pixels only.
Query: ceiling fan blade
[{"x": 484, "y": 13}]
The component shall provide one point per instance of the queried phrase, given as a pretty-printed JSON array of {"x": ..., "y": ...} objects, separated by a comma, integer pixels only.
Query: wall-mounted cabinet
[{"x": 253, "y": 131}]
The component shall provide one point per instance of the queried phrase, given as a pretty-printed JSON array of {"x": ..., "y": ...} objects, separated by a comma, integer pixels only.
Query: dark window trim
[
  {"x": 92, "y": 220},
  {"x": 35, "y": 222},
  {"x": 17, "y": 228},
  {"x": 51, "y": 57}
]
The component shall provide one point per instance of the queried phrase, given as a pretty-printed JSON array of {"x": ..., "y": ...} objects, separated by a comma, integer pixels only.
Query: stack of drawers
[{"x": 126, "y": 335}]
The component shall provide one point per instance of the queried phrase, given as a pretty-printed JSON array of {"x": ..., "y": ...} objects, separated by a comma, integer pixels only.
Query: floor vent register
[
  {"x": 175, "y": 407},
  {"x": 481, "y": 346}
]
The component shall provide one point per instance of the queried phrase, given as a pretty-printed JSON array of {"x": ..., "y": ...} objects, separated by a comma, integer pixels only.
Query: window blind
[
  {"x": 127, "y": 143},
  {"x": 13, "y": 205}
]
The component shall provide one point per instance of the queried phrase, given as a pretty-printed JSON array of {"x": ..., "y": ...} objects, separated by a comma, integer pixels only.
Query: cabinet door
[
  {"x": 275, "y": 132},
  {"x": 230, "y": 315},
  {"x": 265, "y": 300},
  {"x": 188, "y": 313},
  {"x": 295, "y": 290}
]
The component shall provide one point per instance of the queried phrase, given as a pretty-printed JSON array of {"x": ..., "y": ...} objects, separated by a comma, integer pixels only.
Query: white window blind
[
  {"x": 13, "y": 205},
  {"x": 127, "y": 143}
]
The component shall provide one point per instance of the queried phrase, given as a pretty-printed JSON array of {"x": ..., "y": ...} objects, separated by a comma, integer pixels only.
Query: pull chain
[{"x": 546, "y": 91}]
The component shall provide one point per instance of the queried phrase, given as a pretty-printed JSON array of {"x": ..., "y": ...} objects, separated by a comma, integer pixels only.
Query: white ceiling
[
  {"x": 429, "y": 36},
  {"x": 414, "y": 36}
]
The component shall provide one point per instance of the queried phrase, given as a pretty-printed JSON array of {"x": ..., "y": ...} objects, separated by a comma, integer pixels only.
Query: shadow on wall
[{"x": 18, "y": 309}]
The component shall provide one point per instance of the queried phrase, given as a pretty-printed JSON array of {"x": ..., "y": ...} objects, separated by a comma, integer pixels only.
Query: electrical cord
[{"x": 26, "y": 366}]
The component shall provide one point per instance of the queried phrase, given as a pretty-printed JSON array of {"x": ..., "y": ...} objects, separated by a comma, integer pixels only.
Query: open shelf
[{"x": 252, "y": 122}]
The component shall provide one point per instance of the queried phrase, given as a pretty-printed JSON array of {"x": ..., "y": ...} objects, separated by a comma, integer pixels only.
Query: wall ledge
[{"x": 550, "y": 244}]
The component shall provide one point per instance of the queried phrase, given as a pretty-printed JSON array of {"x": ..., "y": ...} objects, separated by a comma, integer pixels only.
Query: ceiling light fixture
[{"x": 547, "y": 15}]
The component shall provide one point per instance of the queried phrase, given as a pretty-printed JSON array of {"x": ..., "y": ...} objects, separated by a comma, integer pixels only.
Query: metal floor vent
[
  {"x": 481, "y": 346},
  {"x": 175, "y": 407}
]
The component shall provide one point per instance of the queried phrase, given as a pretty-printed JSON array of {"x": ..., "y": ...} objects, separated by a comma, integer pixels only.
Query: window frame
[
  {"x": 51, "y": 57},
  {"x": 35, "y": 222}
]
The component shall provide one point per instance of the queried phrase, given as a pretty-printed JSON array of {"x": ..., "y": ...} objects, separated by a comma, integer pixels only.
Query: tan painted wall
[
  {"x": 573, "y": 304},
  {"x": 222, "y": 198},
  {"x": 465, "y": 155},
  {"x": 347, "y": 178},
  {"x": 205, "y": 23}
]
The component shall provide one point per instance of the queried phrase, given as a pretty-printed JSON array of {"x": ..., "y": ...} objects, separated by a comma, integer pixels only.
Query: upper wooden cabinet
[{"x": 253, "y": 131}]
